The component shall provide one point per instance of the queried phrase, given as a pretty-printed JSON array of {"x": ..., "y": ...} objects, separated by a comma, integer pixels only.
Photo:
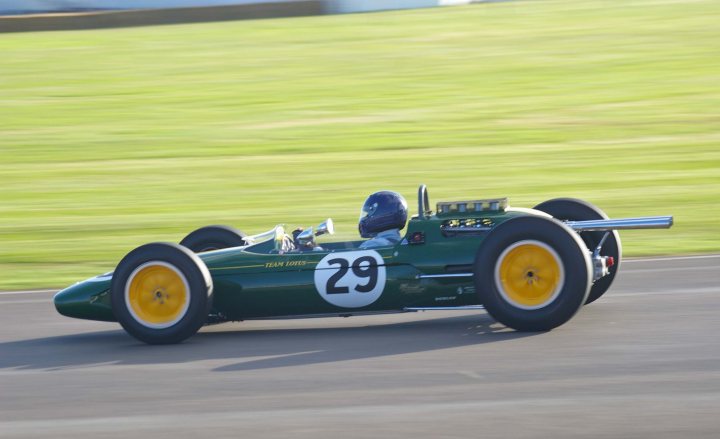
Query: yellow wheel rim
[
  {"x": 529, "y": 274},
  {"x": 157, "y": 294}
]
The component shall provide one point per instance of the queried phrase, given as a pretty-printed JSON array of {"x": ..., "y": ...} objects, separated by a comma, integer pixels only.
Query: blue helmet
[{"x": 382, "y": 211}]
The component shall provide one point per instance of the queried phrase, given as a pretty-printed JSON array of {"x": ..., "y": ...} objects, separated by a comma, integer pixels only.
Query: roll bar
[{"x": 423, "y": 203}]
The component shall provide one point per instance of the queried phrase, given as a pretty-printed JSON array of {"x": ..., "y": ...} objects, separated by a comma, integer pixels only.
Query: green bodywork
[{"x": 253, "y": 281}]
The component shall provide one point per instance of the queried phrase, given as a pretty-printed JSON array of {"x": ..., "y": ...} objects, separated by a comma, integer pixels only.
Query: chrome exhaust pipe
[{"x": 648, "y": 222}]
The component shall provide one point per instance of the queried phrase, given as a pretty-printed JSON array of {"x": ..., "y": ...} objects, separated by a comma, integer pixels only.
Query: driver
[{"x": 382, "y": 217}]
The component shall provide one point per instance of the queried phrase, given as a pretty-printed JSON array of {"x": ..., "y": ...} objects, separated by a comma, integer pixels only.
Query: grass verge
[{"x": 112, "y": 138}]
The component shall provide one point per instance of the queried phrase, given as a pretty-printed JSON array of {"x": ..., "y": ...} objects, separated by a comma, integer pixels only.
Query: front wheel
[
  {"x": 161, "y": 293},
  {"x": 532, "y": 273}
]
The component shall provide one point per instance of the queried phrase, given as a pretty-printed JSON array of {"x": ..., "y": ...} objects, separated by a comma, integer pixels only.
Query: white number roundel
[{"x": 350, "y": 279}]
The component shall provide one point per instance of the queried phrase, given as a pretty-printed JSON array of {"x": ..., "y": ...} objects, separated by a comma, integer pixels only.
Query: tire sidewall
[
  {"x": 574, "y": 209},
  {"x": 198, "y": 280},
  {"x": 573, "y": 258},
  {"x": 213, "y": 238}
]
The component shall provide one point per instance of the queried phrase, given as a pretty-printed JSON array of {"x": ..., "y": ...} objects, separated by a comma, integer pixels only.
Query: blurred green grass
[{"x": 113, "y": 138}]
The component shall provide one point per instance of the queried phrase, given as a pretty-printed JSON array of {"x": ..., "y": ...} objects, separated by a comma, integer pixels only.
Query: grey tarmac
[{"x": 642, "y": 362}]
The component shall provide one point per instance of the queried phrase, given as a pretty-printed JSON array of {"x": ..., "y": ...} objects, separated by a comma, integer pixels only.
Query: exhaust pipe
[{"x": 648, "y": 222}]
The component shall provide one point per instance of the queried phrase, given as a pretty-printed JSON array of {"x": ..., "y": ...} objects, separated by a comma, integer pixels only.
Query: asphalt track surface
[{"x": 643, "y": 361}]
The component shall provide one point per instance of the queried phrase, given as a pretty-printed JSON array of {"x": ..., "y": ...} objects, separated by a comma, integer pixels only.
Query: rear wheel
[
  {"x": 213, "y": 238},
  {"x": 161, "y": 293},
  {"x": 532, "y": 273},
  {"x": 573, "y": 209}
]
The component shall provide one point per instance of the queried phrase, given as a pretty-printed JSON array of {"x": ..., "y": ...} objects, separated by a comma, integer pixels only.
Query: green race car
[{"x": 531, "y": 269}]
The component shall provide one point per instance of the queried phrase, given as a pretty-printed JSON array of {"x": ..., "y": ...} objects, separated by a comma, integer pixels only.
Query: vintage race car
[{"x": 531, "y": 269}]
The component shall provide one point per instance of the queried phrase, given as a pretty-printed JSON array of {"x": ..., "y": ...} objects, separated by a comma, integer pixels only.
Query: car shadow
[{"x": 284, "y": 344}]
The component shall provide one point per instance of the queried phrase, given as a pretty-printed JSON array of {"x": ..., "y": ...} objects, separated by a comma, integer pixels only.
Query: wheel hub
[
  {"x": 157, "y": 295},
  {"x": 529, "y": 274}
]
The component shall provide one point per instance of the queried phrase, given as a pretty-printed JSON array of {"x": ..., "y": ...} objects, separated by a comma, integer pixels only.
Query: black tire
[
  {"x": 165, "y": 272},
  {"x": 566, "y": 291},
  {"x": 573, "y": 209},
  {"x": 213, "y": 238}
]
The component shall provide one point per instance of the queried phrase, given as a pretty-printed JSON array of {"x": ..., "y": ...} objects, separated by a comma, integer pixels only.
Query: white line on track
[
  {"x": 19, "y": 302},
  {"x": 664, "y": 270},
  {"x": 7, "y": 293},
  {"x": 625, "y": 261},
  {"x": 680, "y": 292},
  {"x": 670, "y": 258}
]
